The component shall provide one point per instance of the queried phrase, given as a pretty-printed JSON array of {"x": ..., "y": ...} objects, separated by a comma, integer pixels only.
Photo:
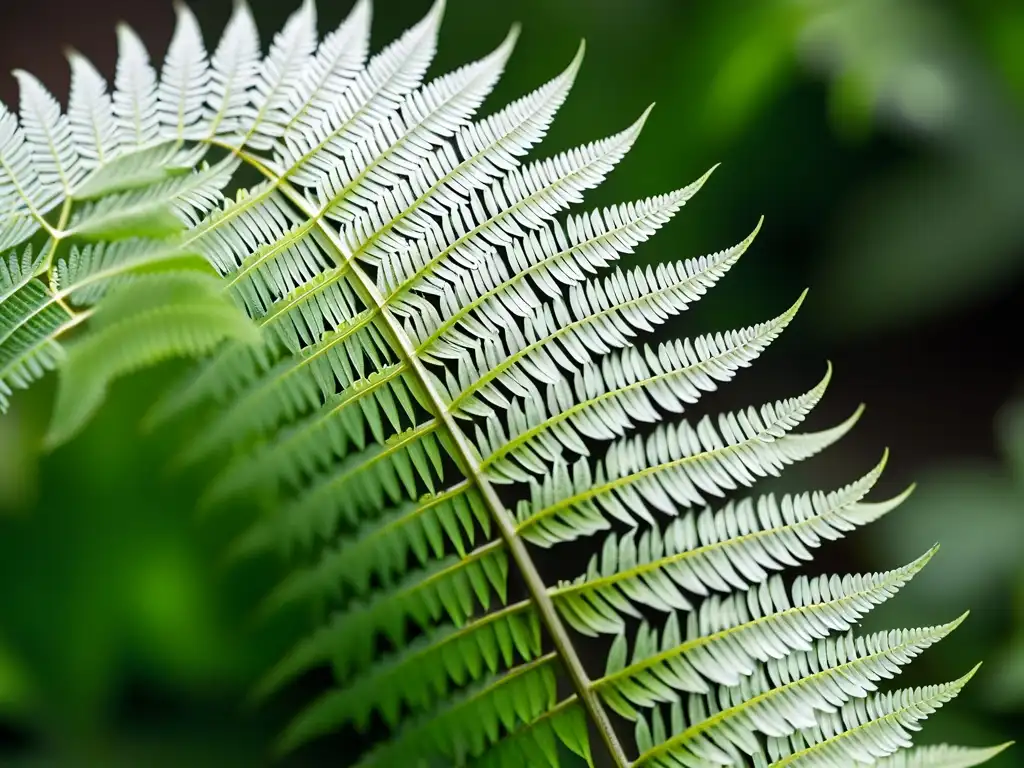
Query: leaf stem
[{"x": 506, "y": 525}]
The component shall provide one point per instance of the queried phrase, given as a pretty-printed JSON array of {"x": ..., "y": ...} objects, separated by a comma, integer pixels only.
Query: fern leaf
[
  {"x": 374, "y": 94},
  {"x": 429, "y": 371},
  {"x": 604, "y": 403},
  {"x": 234, "y": 68},
  {"x": 91, "y": 114},
  {"x": 135, "y": 95},
  {"x": 22, "y": 190},
  {"x": 866, "y": 729},
  {"x": 151, "y": 319},
  {"x": 727, "y": 638},
  {"x": 48, "y": 133},
  {"x": 184, "y": 80},
  {"x": 598, "y": 316},
  {"x": 788, "y": 695},
  {"x": 429, "y": 116},
  {"x": 338, "y": 61},
  {"x": 672, "y": 468},
  {"x": 289, "y": 55}
]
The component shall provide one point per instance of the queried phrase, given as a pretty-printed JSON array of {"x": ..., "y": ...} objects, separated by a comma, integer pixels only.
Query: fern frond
[
  {"x": 270, "y": 105},
  {"x": 727, "y": 637},
  {"x": 482, "y": 301},
  {"x": 865, "y": 729},
  {"x": 48, "y": 135},
  {"x": 430, "y": 371},
  {"x": 91, "y": 114},
  {"x": 599, "y": 316},
  {"x": 30, "y": 318},
  {"x": 670, "y": 468},
  {"x": 788, "y": 694},
  {"x": 425, "y": 120},
  {"x": 184, "y": 79},
  {"x": 22, "y": 191},
  {"x": 155, "y": 317},
  {"x": 135, "y": 92},
  {"x": 605, "y": 402},
  {"x": 352, "y": 112},
  {"x": 337, "y": 63}
]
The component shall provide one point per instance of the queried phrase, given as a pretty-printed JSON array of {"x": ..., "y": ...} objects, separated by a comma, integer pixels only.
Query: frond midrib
[{"x": 517, "y": 548}]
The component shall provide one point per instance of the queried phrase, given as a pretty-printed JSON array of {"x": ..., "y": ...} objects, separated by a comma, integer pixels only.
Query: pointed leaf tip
[
  {"x": 827, "y": 378},
  {"x": 884, "y": 460},
  {"x": 757, "y": 228},
  {"x": 795, "y": 307},
  {"x": 974, "y": 670},
  {"x": 514, "y": 32}
]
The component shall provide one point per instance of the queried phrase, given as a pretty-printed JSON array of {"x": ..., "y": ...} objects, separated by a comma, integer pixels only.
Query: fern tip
[
  {"x": 966, "y": 678},
  {"x": 791, "y": 312},
  {"x": 757, "y": 228},
  {"x": 882, "y": 461},
  {"x": 513, "y": 34},
  {"x": 70, "y": 53},
  {"x": 827, "y": 378},
  {"x": 916, "y": 566},
  {"x": 436, "y": 10},
  {"x": 907, "y": 493}
]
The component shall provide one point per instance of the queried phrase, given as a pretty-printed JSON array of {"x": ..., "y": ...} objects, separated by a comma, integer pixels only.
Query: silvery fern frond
[{"x": 430, "y": 371}]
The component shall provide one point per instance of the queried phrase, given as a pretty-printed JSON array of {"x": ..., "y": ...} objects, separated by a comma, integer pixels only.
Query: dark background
[{"x": 882, "y": 141}]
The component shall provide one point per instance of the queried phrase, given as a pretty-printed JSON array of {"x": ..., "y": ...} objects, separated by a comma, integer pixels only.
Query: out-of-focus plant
[{"x": 945, "y": 229}]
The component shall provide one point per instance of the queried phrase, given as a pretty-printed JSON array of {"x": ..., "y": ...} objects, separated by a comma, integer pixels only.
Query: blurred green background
[{"x": 883, "y": 142}]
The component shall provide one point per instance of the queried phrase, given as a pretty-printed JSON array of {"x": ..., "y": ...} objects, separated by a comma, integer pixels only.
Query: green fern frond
[
  {"x": 787, "y": 695},
  {"x": 431, "y": 372},
  {"x": 868, "y": 728},
  {"x": 158, "y": 315}
]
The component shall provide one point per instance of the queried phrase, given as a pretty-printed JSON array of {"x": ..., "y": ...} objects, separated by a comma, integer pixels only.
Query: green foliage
[
  {"x": 436, "y": 380},
  {"x": 154, "y": 317}
]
